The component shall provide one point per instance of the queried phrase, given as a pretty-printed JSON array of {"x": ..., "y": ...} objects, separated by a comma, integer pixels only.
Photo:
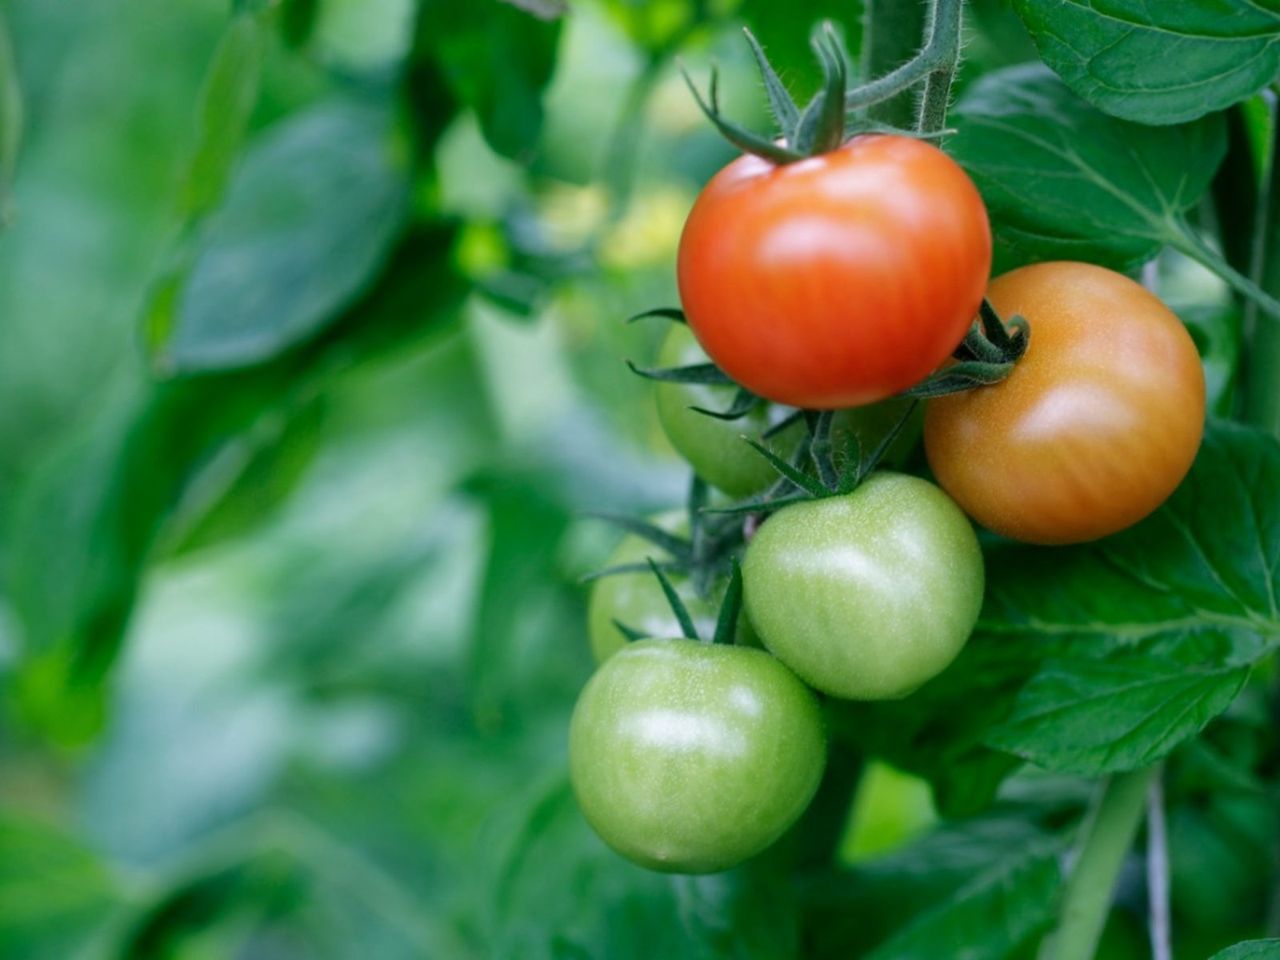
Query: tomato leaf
[
  {"x": 229, "y": 94},
  {"x": 958, "y": 884},
  {"x": 496, "y": 58},
  {"x": 1063, "y": 180},
  {"x": 1118, "y": 713},
  {"x": 1250, "y": 950},
  {"x": 999, "y": 911},
  {"x": 1120, "y": 56},
  {"x": 309, "y": 216},
  {"x": 58, "y": 899}
]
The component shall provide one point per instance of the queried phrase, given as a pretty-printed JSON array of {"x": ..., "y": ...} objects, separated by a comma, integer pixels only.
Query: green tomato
[
  {"x": 636, "y": 599},
  {"x": 715, "y": 448},
  {"x": 866, "y": 596},
  {"x": 691, "y": 757}
]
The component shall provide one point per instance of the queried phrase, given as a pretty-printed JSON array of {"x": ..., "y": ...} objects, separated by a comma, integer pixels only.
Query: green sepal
[
  {"x": 677, "y": 546},
  {"x": 704, "y": 373},
  {"x": 744, "y": 401},
  {"x": 794, "y": 474},
  {"x": 620, "y": 568},
  {"x": 630, "y": 633},
  {"x": 821, "y": 125},
  {"x": 960, "y": 377},
  {"x": 762, "y": 505},
  {"x": 730, "y": 607},
  {"x": 784, "y": 109},
  {"x": 820, "y": 448},
  {"x": 677, "y": 605},
  {"x": 740, "y": 137},
  {"x": 674, "y": 314}
]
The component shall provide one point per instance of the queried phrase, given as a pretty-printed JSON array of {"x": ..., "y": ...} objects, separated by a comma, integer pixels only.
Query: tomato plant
[
  {"x": 692, "y": 757},
  {"x": 838, "y": 280},
  {"x": 868, "y": 595},
  {"x": 1096, "y": 425}
]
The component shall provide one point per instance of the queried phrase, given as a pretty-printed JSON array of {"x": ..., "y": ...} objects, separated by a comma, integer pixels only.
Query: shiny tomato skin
[
  {"x": 1097, "y": 424},
  {"x": 868, "y": 595},
  {"x": 690, "y": 757},
  {"x": 837, "y": 280}
]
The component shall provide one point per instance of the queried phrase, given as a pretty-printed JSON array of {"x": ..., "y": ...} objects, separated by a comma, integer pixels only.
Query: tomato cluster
[{"x": 816, "y": 291}]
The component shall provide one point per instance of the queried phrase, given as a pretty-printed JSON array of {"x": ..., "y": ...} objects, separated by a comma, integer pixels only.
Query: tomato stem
[
  {"x": 1262, "y": 356},
  {"x": 938, "y": 57},
  {"x": 944, "y": 45},
  {"x": 1105, "y": 838},
  {"x": 1190, "y": 244}
]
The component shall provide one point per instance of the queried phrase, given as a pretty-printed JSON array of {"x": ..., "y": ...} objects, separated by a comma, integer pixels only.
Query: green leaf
[
  {"x": 86, "y": 523},
  {"x": 229, "y": 94},
  {"x": 949, "y": 887},
  {"x": 11, "y": 117},
  {"x": 1062, "y": 179},
  {"x": 1001, "y": 910},
  {"x": 1250, "y": 950},
  {"x": 496, "y": 58},
  {"x": 56, "y": 897},
  {"x": 1119, "y": 713},
  {"x": 1157, "y": 63},
  {"x": 308, "y": 218}
]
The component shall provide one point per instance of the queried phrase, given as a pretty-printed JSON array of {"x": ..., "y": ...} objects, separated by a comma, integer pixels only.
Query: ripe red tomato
[
  {"x": 837, "y": 280},
  {"x": 1097, "y": 424}
]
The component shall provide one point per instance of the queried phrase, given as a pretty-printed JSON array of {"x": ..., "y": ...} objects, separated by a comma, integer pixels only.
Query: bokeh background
[{"x": 311, "y": 362}]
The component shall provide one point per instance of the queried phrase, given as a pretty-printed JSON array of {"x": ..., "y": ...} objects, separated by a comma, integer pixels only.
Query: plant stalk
[
  {"x": 1105, "y": 839},
  {"x": 944, "y": 42},
  {"x": 891, "y": 50},
  {"x": 1261, "y": 370},
  {"x": 1158, "y": 922}
]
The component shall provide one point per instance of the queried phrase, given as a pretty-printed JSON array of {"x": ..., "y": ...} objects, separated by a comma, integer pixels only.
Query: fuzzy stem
[
  {"x": 891, "y": 38},
  {"x": 1106, "y": 836},
  {"x": 944, "y": 42}
]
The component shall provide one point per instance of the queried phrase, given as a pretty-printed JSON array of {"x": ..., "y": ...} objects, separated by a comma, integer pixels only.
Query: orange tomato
[
  {"x": 1096, "y": 425},
  {"x": 837, "y": 280}
]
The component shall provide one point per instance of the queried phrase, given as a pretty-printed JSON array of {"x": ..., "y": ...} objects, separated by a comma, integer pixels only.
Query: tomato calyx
[
  {"x": 985, "y": 356},
  {"x": 704, "y": 555},
  {"x": 834, "y": 114},
  {"x": 821, "y": 468},
  {"x": 726, "y": 620}
]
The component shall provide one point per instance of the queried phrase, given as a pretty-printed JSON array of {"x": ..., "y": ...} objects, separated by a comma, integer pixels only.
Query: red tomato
[
  {"x": 1095, "y": 426},
  {"x": 837, "y": 280}
]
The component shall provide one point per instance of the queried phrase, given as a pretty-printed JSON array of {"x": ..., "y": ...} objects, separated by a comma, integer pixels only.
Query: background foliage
[{"x": 310, "y": 365}]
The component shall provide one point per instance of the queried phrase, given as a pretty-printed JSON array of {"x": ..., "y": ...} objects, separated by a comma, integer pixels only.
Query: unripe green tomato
[
  {"x": 866, "y": 596},
  {"x": 636, "y": 599},
  {"x": 715, "y": 448},
  {"x": 691, "y": 757}
]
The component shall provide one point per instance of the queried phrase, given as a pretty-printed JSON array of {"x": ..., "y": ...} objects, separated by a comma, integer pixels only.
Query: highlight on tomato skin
[
  {"x": 837, "y": 280},
  {"x": 1097, "y": 424}
]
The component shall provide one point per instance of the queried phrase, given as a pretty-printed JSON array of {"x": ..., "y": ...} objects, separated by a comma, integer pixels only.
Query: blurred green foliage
[{"x": 310, "y": 364}]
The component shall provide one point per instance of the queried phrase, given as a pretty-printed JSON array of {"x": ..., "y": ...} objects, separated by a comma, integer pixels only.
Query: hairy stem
[
  {"x": 1105, "y": 838},
  {"x": 944, "y": 42},
  {"x": 891, "y": 50}
]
